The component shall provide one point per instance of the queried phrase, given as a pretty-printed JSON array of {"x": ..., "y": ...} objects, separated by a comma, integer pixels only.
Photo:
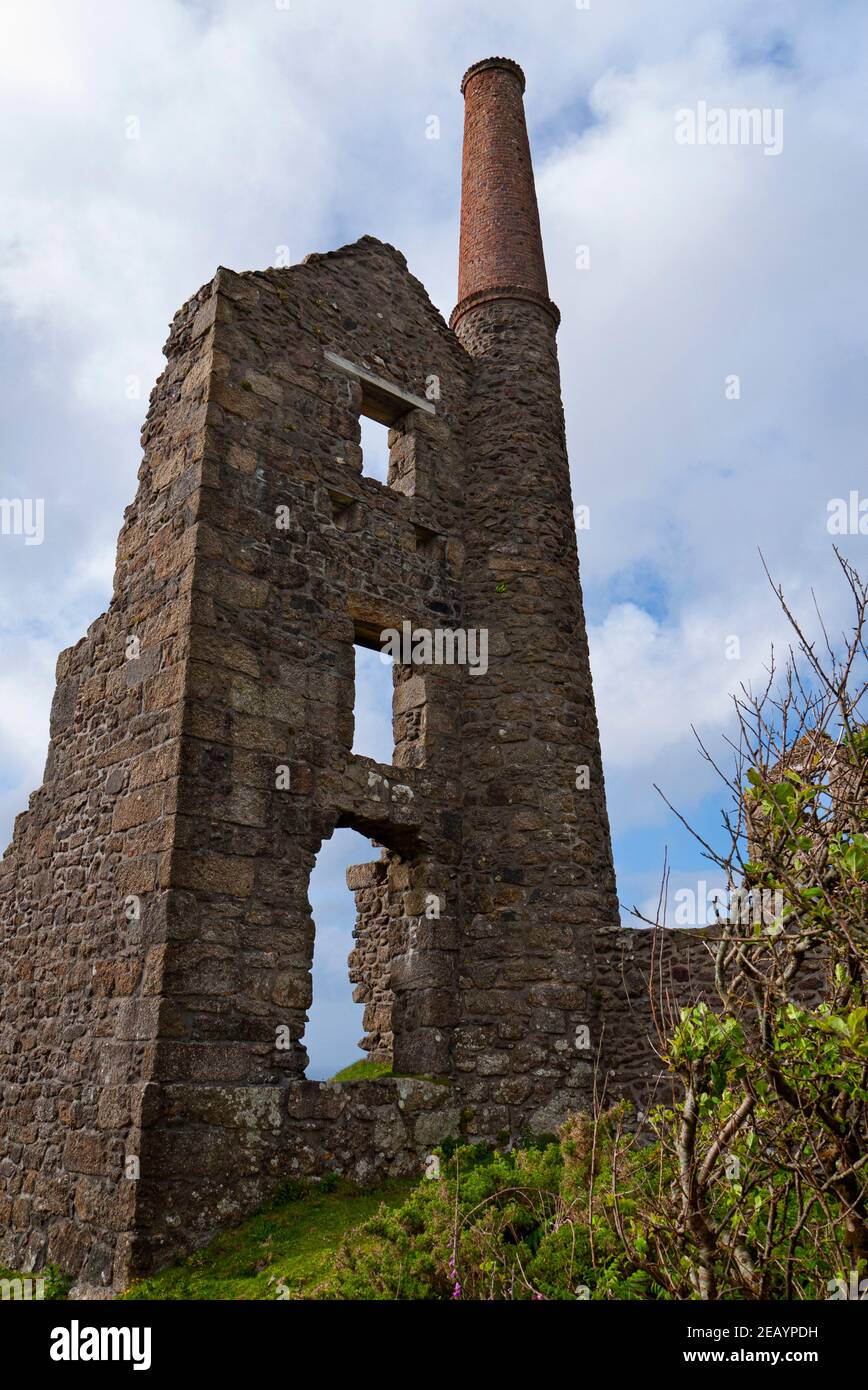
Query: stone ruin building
[{"x": 156, "y": 937}]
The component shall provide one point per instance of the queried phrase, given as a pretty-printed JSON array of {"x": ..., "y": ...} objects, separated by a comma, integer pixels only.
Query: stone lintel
[{"x": 383, "y": 401}]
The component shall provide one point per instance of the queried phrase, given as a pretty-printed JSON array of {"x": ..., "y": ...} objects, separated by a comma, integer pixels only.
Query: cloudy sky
[{"x": 144, "y": 145}]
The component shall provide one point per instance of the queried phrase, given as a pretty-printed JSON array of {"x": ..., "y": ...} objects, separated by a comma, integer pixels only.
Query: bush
[{"x": 515, "y": 1224}]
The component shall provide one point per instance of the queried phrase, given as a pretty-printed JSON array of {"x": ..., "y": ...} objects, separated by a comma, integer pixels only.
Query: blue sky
[{"x": 261, "y": 126}]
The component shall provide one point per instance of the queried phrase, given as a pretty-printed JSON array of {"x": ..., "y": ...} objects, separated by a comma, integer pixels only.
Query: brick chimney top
[
  {"x": 506, "y": 63},
  {"x": 501, "y": 255}
]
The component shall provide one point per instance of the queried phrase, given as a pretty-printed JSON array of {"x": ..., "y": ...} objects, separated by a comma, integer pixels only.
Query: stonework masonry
[{"x": 157, "y": 938}]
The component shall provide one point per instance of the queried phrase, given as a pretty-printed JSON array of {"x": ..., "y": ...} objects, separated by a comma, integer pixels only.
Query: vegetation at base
[
  {"x": 582, "y": 1218},
  {"x": 285, "y": 1251},
  {"x": 498, "y": 1225}
]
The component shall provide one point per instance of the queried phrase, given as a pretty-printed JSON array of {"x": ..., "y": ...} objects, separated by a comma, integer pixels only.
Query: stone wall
[
  {"x": 85, "y": 884},
  {"x": 642, "y": 979},
  {"x": 369, "y": 1130},
  {"x": 378, "y": 935},
  {"x": 236, "y": 1144}
]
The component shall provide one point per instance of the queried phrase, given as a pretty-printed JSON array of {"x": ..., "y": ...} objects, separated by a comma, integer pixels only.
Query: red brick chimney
[{"x": 501, "y": 255}]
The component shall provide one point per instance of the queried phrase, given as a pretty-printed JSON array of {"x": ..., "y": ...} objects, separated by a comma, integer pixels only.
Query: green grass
[
  {"x": 286, "y": 1250},
  {"x": 370, "y": 1071},
  {"x": 363, "y": 1070}
]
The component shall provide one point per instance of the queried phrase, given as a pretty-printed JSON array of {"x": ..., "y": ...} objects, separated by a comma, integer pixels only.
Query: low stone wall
[
  {"x": 369, "y": 1130},
  {"x": 254, "y": 1138},
  {"x": 643, "y": 978}
]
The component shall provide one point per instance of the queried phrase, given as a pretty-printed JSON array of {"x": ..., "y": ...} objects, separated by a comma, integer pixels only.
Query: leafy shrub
[{"x": 525, "y": 1223}]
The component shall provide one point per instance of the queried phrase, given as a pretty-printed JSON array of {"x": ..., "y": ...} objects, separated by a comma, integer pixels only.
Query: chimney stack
[
  {"x": 501, "y": 254},
  {"x": 537, "y": 886}
]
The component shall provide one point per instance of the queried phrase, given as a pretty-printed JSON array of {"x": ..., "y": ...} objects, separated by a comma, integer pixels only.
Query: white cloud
[
  {"x": 656, "y": 682},
  {"x": 704, "y": 262}
]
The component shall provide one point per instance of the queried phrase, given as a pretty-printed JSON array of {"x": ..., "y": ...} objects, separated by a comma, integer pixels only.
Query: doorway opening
[{"x": 334, "y": 1024}]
